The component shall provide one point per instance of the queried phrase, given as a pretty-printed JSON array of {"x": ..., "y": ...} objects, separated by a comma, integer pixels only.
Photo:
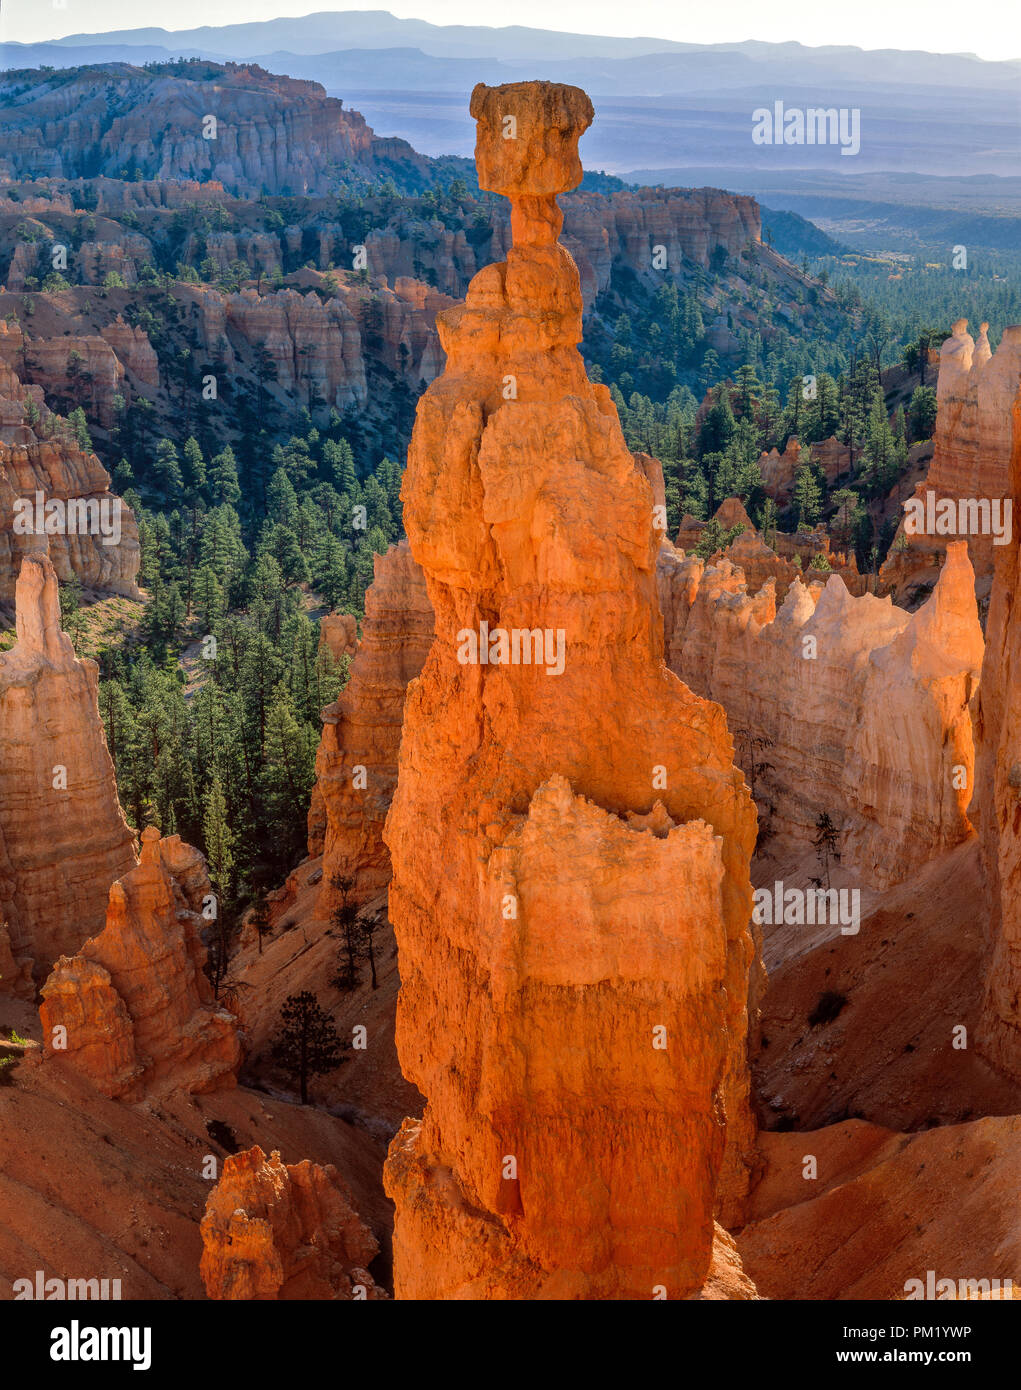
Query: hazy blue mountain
[{"x": 660, "y": 105}]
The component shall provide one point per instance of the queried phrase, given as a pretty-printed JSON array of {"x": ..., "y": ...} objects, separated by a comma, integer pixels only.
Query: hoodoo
[
  {"x": 967, "y": 488},
  {"x": 570, "y": 838},
  {"x": 356, "y": 766},
  {"x": 133, "y": 1010},
  {"x": 284, "y": 1231},
  {"x": 63, "y": 836}
]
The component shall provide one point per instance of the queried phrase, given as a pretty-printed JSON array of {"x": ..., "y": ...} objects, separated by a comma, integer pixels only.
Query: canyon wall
[
  {"x": 976, "y": 389},
  {"x": 570, "y": 839},
  {"x": 998, "y": 774},
  {"x": 63, "y": 837},
  {"x": 135, "y": 1007},
  {"x": 356, "y": 765},
  {"x": 858, "y": 709},
  {"x": 286, "y": 1232}
]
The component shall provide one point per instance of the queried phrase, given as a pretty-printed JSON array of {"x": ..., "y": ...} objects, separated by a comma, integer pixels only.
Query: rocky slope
[
  {"x": 284, "y": 1231},
  {"x": 63, "y": 837},
  {"x": 123, "y": 1192},
  {"x": 559, "y": 840},
  {"x": 849, "y": 706},
  {"x": 883, "y": 1025},
  {"x": 133, "y": 1010},
  {"x": 884, "y": 1210}
]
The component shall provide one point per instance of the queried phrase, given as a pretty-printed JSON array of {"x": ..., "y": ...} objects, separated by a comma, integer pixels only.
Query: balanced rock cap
[{"x": 527, "y": 137}]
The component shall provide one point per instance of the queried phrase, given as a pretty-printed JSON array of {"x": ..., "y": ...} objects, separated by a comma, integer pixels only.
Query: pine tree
[
  {"x": 307, "y": 1043},
  {"x": 167, "y": 469},
  {"x": 194, "y": 466},
  {"x": 219, "y": 840},
  {"x": 806, "y": 497},
  {"x": 222, "y": 478}
]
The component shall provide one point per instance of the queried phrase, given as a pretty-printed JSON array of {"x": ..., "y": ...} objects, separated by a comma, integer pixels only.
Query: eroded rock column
[
  {"x": 63, "y": 837},
  {"x": 570, "y": 838}
]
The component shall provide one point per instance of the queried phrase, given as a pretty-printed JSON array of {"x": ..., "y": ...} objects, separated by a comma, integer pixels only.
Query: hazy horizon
[{"x": 934, "y": 27}]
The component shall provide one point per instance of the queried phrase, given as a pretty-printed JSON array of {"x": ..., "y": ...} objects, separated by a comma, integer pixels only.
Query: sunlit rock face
[
  {"x": 976, "y": 390},
  {"x": 570, "y": 838},
  {"x": 997, "y": 806},
  {"x": 850, "y": 706},
  {"x": 55, "y": 498}
]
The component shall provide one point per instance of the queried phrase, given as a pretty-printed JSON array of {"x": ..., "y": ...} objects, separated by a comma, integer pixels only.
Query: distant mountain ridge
[{"x": 660, "y": 103}]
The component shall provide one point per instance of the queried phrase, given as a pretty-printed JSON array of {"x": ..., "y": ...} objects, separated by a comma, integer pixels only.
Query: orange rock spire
[
  {"x": 136, "y": 1011},
  {"x": 284, "y": 1231},
  {"x": 570, "y": 838},
  {"x": 63, "y": 837},
  {"x": 356, "y": 766}
]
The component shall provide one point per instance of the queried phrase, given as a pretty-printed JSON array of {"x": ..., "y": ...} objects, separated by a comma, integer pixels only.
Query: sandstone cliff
[
  {"x": 976, "y": 391},
  {"x": 135, "y": 1007},
  {"x": 998, "y": 733},
  {"x": 63, "y": 837},
  {"x": 858, "y": 709},
  {"x": 356, "y": 766},
  {"x": 570, "y": 890},
  {"x": 284, "y": 1231}
]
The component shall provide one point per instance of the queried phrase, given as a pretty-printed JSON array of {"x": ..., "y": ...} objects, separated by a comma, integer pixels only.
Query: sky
[{"x": 989, "y": 28}]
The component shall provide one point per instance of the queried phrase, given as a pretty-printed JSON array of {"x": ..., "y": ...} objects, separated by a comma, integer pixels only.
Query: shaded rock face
[
  {"x": 780, "y": 470},
  {"x": 356, "y": 766},
  {"x": 271, "y": 134},
  {"x": 976, "y": 391},
  {"x": 998, "y": 774},
  {"x": 570, "y": 851},
  {"x": 320, "y": 352},
  {"x": 63, "y": 837},
  {"x": 137, "y": 1010},
  {"x": 284, "y": 1231},
  {"x": 864, "y": 708},
  {"x": 101, "y": 548}
]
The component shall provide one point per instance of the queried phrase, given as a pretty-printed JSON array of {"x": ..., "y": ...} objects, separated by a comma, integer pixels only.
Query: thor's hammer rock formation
[{"x": 570, "y": 838}]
